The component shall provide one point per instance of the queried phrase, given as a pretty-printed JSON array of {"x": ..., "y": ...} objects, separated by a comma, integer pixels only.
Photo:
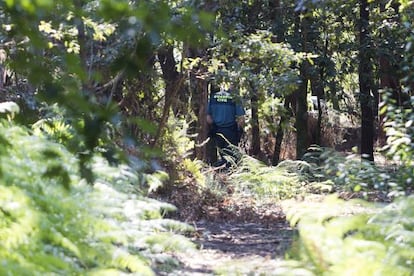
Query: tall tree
[
  {"x": 365, "y": 83},
  {"x": 301, "y": 123},
  {"x": 254, "y": 99},
  {"x": 173, "y": 84},
  {"x": 278, "y": 28}
]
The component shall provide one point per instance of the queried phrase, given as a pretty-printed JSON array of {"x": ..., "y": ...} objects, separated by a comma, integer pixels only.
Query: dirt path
[
  {"x": 235, "y": 234},
  {"x": 245, "y": 239},
  {"x": 237, "y": 238},
  {"x": 236, "y": 249}
]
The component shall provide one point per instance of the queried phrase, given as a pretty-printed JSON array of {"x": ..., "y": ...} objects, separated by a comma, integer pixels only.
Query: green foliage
[
  {"x": 348, "y": 172},
  {"x": 56, "y": 125},
  {"x": 53, "y": 222},
  {"x": 281, "y": 182},
  {"x": 64, "y": 50},
  {"x": 351, "y": 173},
  {"x": 395, "y": 224},
  {"x": 177, "y": 141},
  {"x": 335, "y": 235},
  {"x": 180, "y": 147},
  {"x": 255, "y": 62},
  {"x": 399, "y": 127}
]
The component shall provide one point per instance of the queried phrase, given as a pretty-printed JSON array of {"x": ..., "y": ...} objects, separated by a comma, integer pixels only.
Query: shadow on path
[{"x": 269, "y": 240}]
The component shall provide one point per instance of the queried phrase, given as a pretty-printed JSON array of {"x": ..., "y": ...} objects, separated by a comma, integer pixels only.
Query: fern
[
  {"x": 335, "y": 235},
  {"x": 166, "y": 242},
  {"x": 53, "y": 222},
  {"x": 255, "y": 178},
  {"x": 131, "y": 263}
]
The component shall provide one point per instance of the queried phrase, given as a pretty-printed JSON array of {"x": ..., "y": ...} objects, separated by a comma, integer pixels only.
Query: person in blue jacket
[{"x": 225, "y": 116}]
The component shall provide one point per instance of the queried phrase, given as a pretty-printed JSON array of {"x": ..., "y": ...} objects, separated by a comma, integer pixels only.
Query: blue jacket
[{"x": 224, "y": 109}]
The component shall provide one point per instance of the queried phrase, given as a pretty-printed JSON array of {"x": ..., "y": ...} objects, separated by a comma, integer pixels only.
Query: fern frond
[
  {"x": 165, "y": 242},
  {"x": 47, "y": 227},
  {"x": 132, "y": 263},
  {"x": 255, "y": 178}
]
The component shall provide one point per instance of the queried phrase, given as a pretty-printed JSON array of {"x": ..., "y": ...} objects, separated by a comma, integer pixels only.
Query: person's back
[
  {"x": 225, "y": 116},
  {"x": 223, "y": 109}
]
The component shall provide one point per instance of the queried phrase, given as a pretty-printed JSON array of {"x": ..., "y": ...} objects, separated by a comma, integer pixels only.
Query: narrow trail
[
  {"x": 240, "y": 233},
  {"x": 236, "y": 248},
  {"x": 234, "y": 236}
]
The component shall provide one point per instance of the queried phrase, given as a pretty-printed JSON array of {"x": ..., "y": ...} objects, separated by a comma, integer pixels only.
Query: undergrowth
[
  {"x": 53, "y": 222},
  {"x": 349, "y": 172},
  {"x": 335, "y": 235},
  {"x": 338, "y": 237},
  {"x": 287, "y": 180}
]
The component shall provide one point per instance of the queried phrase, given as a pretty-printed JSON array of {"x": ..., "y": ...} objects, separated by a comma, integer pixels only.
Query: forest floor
[{"x": 235, "y": 235}]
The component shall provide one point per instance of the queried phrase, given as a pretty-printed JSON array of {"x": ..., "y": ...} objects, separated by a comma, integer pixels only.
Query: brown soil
[{"x": 235, "y": 235}]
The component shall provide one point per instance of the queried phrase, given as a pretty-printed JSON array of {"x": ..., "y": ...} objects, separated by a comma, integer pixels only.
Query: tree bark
[
  {"x": 173, "y": 84},
  {"x": 198, "y": 86},
  {"x": 278, "y": 27},
  {"x": 207, "y": 152},
  {"x": 302, "y": 115},
  {"x": 280, "y": 133},
  {"x": 318, "y": 91},
  {"x": 365, "y": 84},
  {"x": 302, "y": 94},
  {"x": 255, "y": 148}
]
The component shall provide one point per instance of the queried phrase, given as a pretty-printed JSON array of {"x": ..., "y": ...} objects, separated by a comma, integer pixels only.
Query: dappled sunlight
[{"x": 206, "y": 137}]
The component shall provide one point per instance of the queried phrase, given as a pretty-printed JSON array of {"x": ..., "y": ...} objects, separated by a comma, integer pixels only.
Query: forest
[{"x": 107, "y": 162}]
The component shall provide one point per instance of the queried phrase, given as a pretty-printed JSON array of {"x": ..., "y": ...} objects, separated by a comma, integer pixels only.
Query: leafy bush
[
  {"x": 348, "y": 172},
  {"x": 52, "y": 221},
  {"x": 352, "y": 173},
  {"x": 399, "y": 127},
  {"x": 255, "y": 178},
  {"x": 354, "y": 237},
  {"x": 180, "y": 147}
]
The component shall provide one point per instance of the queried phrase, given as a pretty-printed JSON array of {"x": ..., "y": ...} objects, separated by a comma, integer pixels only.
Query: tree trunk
[
  {"x": 318, "y": 91},
  {"x": 198, "y": 87},
  {"x": 207, "y": 152},
  {"x": 169, "y": 71},
  {"x": 302, "y": 94},
  {"x": 255, "y": 148},
  {"x": 278, "y": 27},
  {"x": 199, "y": 92},
  {"x": 173, "y": 84},
  {"x": 280, "y": 133},
  {"x": 302, "y": 114},
  {"x": 365, "y": 84}
]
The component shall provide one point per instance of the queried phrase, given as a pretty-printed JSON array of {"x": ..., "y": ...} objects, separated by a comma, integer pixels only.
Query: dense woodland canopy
[{"x": 106, "y": 97}]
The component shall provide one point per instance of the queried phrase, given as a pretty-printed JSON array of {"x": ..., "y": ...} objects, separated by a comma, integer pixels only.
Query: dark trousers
[{"x": 227, "y": 139}]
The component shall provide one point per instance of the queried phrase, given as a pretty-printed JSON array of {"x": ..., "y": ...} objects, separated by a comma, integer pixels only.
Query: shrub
[
  {"x": 52, "y": 221},
  {"x": 354, "y": 237}
]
